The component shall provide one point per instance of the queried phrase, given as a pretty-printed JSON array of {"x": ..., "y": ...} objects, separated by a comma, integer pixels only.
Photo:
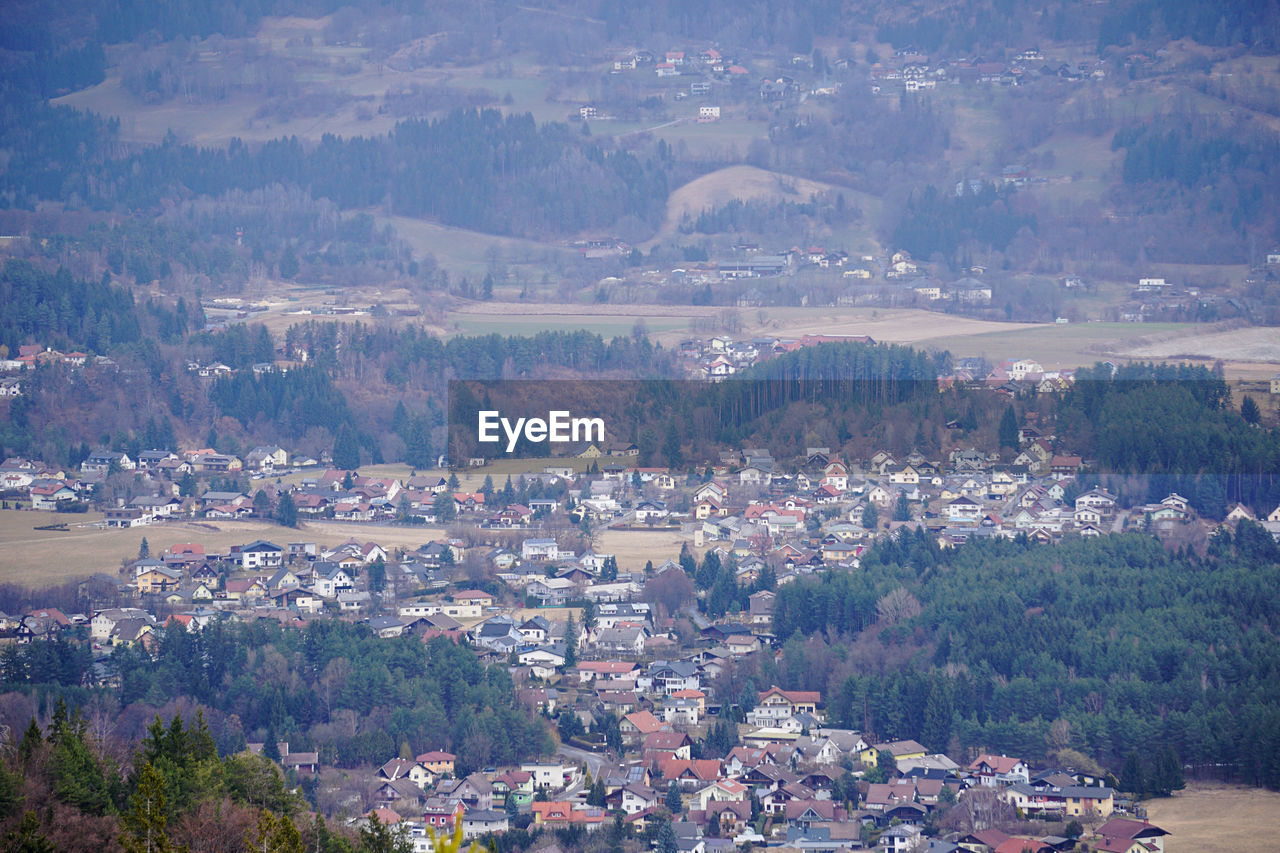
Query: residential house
[
  {"x": 998, "y": 770},
  {"x": 1115, "y": 833},
  {"x": 259, "y": 555},
  {"x": 775, "y": 705},
  {"x": 1065, "y": 801}
]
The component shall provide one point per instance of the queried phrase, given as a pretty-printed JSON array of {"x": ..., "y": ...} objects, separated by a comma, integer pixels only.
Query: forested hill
[
  {"x": 1175, "y": 425},
  {"x": 1107, "y": 646},
  {"x": 475, "y": 169}
]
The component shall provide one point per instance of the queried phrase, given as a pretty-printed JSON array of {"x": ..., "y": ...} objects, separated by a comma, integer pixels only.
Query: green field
[{"x": 467, "y": 252}]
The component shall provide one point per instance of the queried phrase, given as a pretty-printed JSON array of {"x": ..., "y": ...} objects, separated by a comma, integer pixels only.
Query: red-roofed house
[
  {"x": 437, "y": 762},
  {"x": 982, "y": 840},
  {"x": 385, "y": 816},
  {"x": 691, "y": 774},
  {"x": 1141, "y": 836},
  {"x": 564, "y": 813},
  {"x": 673, "y": 743},
  {"x": 1023, "y": 845},
  {"x": 635, "y": 727},
  {"x": 723, "y": 791},
  {"x": 995, "y": 770},
  {"x": 610, "y": 669},
  {"x": 776, "y": 704}
]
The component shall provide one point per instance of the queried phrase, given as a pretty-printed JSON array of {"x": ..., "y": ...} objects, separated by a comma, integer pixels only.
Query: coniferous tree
[
  {"x": 1249, "y": 410},
  {"x": 1132, "y": 777},
  {"x": 346, "y": 450},
  {"x": 1008, "y": 432},
  {"x": 570, "y": 642},
  {"x": 1166, "y": 775},
  {"x": 26, "y": 837},
  {"x": 673, "y": 801},
  {"x": 32, "y": 738},
  {"x": 277, "y": 833},
  {"x": 287, "y": 510},
  {"x": 443, "y": 507},
  {"x": 143, "y": 825}
]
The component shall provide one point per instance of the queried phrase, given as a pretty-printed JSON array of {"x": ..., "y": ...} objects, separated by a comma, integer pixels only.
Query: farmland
[{"x": 1214, "y": 818}]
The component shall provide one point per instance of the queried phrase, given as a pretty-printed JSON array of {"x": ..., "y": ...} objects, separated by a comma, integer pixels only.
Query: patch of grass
[
  {"x": 464, "y": 251},
  {"x": 1210, "y": 818}
]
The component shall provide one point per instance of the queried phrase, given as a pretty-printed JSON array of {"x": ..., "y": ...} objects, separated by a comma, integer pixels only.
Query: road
[{"x": 593, "y": 760}]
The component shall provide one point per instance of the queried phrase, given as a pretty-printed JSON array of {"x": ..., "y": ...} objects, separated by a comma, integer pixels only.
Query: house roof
[
  {"x": 1022, "y": 845},
  {"x": 644, "y": 721},
  {"x": 1121, "y": 827},
  {"x": 997, "y": 763}
]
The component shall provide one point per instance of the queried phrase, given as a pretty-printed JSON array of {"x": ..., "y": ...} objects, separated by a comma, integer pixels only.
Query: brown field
[
  {"x": 1246, "y": 345},
  {"x": 633, "y": 548},
  {"x": 39, "y": 558},
  {"x": 43, "y": 558},
  {"x": 1211, "y": 818}
]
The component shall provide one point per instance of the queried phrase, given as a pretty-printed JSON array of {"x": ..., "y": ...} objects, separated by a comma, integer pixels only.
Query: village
[{"x": 589, "y": 638}]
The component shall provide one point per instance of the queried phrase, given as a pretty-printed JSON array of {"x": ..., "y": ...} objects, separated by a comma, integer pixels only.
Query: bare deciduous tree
[{"x": 897, "y": 605}]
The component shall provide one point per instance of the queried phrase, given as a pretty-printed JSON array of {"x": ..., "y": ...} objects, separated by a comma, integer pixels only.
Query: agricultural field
[
  {"x": 38, "y": 558},
  {"x": 1212, "y": 818},
  {"x": 633, "y": 548},
  {"x": 467, "y": 252}
]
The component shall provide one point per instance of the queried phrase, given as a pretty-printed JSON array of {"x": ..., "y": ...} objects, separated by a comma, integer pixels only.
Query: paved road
[{"x": 593, "y": 760}]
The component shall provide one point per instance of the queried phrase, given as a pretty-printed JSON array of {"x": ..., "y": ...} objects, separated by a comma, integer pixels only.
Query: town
[{"x": 629, "y": 659}]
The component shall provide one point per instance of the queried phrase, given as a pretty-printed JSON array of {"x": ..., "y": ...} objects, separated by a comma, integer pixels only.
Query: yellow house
[
  {"x": 590, "y": 452},
  {"x": 1066, "y": 801},
  {"x": 704, "y": 509},
  {"x": 437, "y": 762},
  {"x": 156, "y": 580}
]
